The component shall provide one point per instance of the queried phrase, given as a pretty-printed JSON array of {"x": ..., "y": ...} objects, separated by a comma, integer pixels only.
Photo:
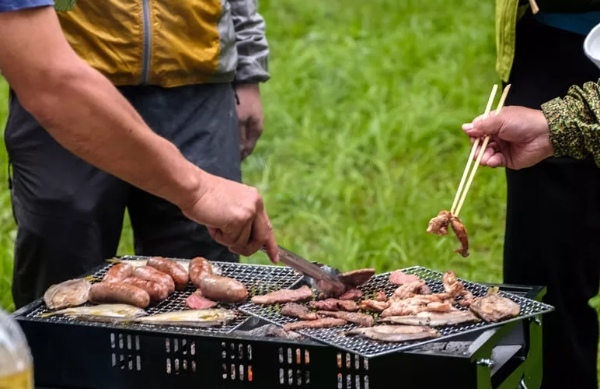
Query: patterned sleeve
[{"x": 574, "y": 122}]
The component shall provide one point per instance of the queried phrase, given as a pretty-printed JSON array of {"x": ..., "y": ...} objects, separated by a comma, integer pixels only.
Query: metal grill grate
[
  {"x": 370, "y": 348},
  {"x": 259, "y": 279}
]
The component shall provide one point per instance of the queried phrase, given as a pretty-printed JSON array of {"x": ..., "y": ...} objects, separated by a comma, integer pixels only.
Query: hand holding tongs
[{"x": 327, "y": 282}]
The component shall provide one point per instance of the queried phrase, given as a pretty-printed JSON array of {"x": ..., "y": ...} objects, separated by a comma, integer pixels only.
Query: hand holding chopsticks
[{"x": 463, "y": 189}]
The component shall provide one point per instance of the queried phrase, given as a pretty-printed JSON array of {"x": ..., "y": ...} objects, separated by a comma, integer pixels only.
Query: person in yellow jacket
[
  {"x": 553, "y": 207},
  {"x": 192, "y": 71}
]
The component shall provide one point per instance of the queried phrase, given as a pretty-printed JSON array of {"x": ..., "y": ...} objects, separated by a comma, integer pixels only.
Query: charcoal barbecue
[{"x": 72, "y": 353}]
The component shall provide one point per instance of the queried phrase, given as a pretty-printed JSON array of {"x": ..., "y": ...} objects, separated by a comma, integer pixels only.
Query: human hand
[
  {"x": 235, "y": 216},
  {"x": 250, "y": 115},
  {"x": 519, "y": 137}
]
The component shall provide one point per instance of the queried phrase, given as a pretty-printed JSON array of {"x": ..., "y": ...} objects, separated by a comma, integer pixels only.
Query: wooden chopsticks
[
  {"x": 462, "y": 191},
  {"x": 534, "y": 7}
]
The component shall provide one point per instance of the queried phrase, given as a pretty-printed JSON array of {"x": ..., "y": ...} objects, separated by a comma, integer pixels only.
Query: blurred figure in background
[
  {"x": 553, "y": 207},
  {"x": 192, "y": 71}
]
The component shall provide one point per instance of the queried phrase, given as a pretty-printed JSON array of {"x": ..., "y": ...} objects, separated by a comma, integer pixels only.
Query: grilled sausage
[
  {"x": 149, "y": 273},
  {"x": 118, "y": 293},
  {"x": 157, "y": 291},
  {"x": 224, "y": 289},
  {"x": 173, "y": 269},
  {"x": 199, "y": 267},
  {"x": 118, "y": 272}
]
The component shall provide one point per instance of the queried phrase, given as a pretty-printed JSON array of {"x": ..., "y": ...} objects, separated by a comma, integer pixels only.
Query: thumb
[{"x": 484, "y": 126}]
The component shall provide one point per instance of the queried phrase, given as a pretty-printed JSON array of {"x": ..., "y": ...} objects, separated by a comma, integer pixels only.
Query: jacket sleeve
[
  {"x": 251, "y": 42},
  {"x": 574, "y": 122}
]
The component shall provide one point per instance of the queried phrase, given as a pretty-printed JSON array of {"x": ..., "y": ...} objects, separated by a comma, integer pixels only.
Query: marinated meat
[
  {"x": 493, "y": 307},
  {"x": 373, "y": 305},
  {"x": 325, "y": 322},
  {"x": 332, "y": 304},
  {"x": 355, "y": 278},
  {"x": 197, "y": 301},
  {"x": 304, "y": 293},
  {"x": 439, "y": 224},
  {"x": 298, "y": 311},
  {"x": 416, "y": 304},
  {"x": 352, "y": 294},
  {"x": 395, "y": 333},
  {"x": 409, "y": 289},
  {"x": 360, "y": 319},
  {"x": 461, "y": 233},
  {"x": 398, "y": 277},
  {"x": 380, "y": 296},
  {"x": 433, "y": 319}
]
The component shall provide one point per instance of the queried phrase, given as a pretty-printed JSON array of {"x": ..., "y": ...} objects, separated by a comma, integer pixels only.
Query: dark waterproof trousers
[
  {"x": 70, "y": 215},
  {"x": 553, "y": 213}
]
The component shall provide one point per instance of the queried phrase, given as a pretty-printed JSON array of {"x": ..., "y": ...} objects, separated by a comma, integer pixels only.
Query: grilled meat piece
[
  {"x": 355, "y": 278},
  {"x": 150, "y": 273},
  {"x": 416, "y": 304},
  {"x": 223, "y": 289},
  {"x": 380, "y": 296},
  {"x": 373, "y": 305},
  {"x": 398, "y": 277},
  {"x": 304, "y": 293},
  {"x": 439, "y": 224},
  {"x": 298, "y": 311},
  {"x": 173, "y": 269},
  {"x": 325, "y": 322},
  {"x": 362, "y": 319},
  {"x": 433, "y": 319},
  {"x": 118, "y": 272},
  {"x": 197, "y": 301},
  {"x": 352, "y": 294},
  {"x": 493, "y": 307},
  {"x": 394, "y": 333},
  {"x": 409, "y": 289},
  {"x": 461, "y": 233},
  {"x": 157, "y": 292},
  {"x": 198, "y": 268},
  {"x": 118, "y": 293},
  {"x": 332, "y": 304}
]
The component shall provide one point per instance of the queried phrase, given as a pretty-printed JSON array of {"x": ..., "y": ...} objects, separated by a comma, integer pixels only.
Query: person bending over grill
[{"x": 64, "y": 112}]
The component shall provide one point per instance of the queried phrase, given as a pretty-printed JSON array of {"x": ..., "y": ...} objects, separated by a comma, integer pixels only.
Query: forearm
[
  {"x": 574, "y": 122},
  {"x": 251, "y": 42},
  {"x": 90, "y": 118}
]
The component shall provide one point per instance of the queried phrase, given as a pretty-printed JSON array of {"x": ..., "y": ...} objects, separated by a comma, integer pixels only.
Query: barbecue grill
[{"x": 72, "y": 353}]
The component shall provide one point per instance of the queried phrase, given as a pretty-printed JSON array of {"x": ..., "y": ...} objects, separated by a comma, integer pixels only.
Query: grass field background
[{"x": 362, "y": 142}]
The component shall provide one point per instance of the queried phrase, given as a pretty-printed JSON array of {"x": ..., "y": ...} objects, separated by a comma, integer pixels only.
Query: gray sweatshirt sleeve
[{"x": 251, "y": 42}]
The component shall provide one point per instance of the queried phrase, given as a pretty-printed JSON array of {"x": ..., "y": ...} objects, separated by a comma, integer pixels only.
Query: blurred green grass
[{"x": 362, "y": 142}]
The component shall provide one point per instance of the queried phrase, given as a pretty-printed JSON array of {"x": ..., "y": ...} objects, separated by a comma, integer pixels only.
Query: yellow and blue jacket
[{"x": 169, "y": 43}]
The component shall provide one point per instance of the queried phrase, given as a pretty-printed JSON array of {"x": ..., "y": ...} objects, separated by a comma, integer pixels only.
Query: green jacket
[
  {"x": 508, "y": 12},
  {"x": 574, "y": 122}
]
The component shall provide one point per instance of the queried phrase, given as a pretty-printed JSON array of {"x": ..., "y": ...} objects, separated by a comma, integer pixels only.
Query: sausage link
[
  {"x": 118, "y": 293},
  {"x": 118, "y": 272},
  {"x": 223, "y": 289},
  {"x": 157, "y": 291},
  {"x": 199, "y": 267},
  {"x": 149, "y": 273},
  {"x": 173, "y": 269}
]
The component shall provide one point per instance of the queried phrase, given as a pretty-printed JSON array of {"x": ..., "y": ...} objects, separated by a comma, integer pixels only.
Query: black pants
[
  {"x": 553, "y": 213},
  {"x": 69, "y": 214}
]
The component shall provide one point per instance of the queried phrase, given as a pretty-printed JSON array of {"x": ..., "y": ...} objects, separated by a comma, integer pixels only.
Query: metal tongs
[{"x": 326, "y": 279}]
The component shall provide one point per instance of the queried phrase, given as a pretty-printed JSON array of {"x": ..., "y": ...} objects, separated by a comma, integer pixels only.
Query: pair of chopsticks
[{"x": 461, "y": 193}]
